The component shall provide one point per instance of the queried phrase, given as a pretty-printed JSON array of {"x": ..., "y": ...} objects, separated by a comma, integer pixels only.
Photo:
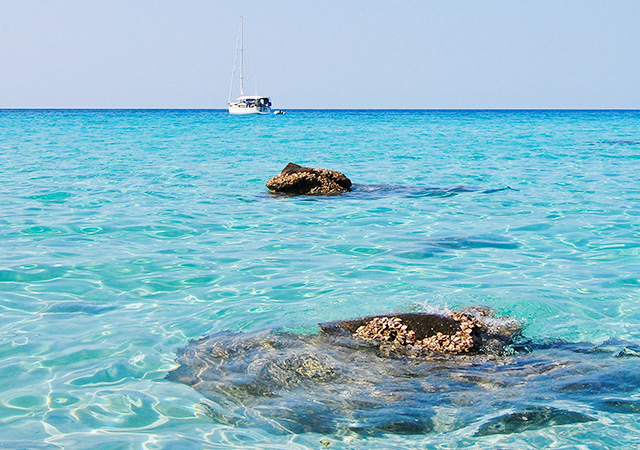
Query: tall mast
[
  {"x": 241, "y": 56},
  {"x": 239, "y": 45}
]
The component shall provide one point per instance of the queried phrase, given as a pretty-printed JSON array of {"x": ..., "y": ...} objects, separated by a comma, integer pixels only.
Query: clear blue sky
[{"x": 322, "y": 54}]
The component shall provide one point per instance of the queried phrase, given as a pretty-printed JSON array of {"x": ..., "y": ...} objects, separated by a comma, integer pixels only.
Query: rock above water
[
  {"x": 299, "y": 180},
  {"x": 472, "y": 330}
]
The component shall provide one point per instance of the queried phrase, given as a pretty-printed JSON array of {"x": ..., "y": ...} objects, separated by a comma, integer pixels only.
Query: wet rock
[
  {"x": 533, "y": 418},
  {"x": 420, "y": 334},
  {"x": 409, "y": 421},
  {"x": 299, "y": 180},
  {"x": 340, "y": 382},
  {"x": 621, "y": 406}
]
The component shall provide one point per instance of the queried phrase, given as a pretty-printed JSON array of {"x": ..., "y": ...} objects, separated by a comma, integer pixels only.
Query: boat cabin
[{"x": 248, "y": 104}]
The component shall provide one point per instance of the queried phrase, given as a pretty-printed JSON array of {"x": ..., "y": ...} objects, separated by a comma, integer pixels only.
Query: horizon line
[{"x": 313, "y": 109}]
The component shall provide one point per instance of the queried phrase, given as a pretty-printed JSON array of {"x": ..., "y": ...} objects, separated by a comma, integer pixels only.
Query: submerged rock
[
  {"x": 299, "y": 180},
  {"x": 376, "y": 191},
  {"x": 358, "y": 377},
  {"x": 533, "y": 418}
]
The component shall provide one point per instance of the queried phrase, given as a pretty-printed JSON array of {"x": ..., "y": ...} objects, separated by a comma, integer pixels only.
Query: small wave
[
  {"x": 79, "y": 307},
  {"x": 623, "y": 142},
  {"x": 467, "y": 243},
  {"x": 441, "y": 246}
]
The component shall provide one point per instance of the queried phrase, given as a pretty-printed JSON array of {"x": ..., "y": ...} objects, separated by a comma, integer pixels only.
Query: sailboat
[{"x": 245, "y": 104}]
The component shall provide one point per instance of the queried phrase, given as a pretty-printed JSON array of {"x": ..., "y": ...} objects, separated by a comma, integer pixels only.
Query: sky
[{"x": 322, "y": 54}]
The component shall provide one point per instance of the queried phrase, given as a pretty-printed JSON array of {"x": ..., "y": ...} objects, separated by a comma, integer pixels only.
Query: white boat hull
[{"x": 242, "y": 109}]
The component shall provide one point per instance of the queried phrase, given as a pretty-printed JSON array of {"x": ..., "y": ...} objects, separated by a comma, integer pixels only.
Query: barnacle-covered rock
[
  {"x": 473, "y": 330},
  {"x": 299, "y": 180},
  {"x": 393, "y": 331}
]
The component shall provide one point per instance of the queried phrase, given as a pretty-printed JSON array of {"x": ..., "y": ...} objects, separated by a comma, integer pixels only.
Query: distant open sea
[{"x": 125, "y": 234}]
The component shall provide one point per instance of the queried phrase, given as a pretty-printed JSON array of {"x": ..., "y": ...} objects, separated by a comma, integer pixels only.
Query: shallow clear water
[{"x": 125, "y": 234}]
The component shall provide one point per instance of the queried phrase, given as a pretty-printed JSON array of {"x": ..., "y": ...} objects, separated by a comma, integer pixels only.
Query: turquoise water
[{"x": 125, "y": 234}]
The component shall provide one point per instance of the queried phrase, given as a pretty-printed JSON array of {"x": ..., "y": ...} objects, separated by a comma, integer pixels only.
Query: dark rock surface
[
  {"x": 299, "y": 180},
  {"x": 420, "y": 334}
]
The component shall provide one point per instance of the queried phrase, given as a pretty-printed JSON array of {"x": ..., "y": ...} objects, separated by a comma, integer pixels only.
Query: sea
[{"x": 127, "y": 235}]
